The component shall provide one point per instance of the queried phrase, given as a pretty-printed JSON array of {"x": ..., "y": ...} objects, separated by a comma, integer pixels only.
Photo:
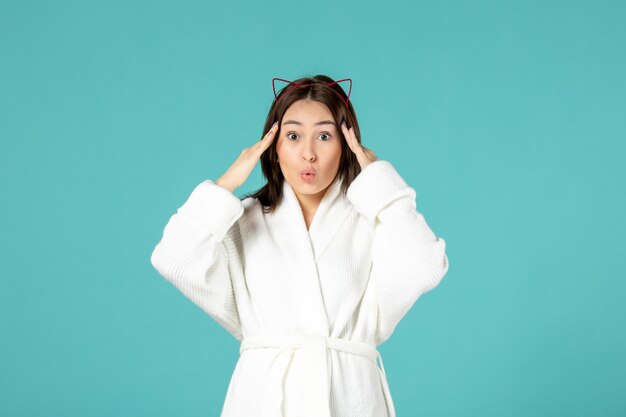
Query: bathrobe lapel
[{"x": 305, "y": 248}]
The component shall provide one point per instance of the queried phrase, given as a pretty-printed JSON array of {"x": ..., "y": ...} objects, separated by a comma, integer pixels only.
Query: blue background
[{"x": 506, "y": 117}]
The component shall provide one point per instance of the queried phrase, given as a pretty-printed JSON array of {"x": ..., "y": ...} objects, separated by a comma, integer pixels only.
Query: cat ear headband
[{"x": 291, "y": 85}]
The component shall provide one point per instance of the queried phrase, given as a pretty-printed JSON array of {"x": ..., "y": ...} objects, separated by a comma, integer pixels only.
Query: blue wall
[{"x": 506, "y": 117}]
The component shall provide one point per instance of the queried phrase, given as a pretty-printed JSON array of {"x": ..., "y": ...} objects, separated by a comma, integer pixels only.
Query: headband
[{"x": 296, "y": 85}]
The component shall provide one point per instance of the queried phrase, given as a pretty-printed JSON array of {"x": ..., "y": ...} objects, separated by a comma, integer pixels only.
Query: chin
[{"x": 310, "y": 188}]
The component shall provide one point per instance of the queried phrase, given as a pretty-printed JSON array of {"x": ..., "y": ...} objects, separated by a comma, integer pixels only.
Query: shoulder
[
  {"x": 252, "y": 214},
  {"x": 251, "y": 207}
]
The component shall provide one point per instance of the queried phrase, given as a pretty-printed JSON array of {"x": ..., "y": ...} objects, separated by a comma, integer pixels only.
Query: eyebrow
[{"x": 323, "y": 122}]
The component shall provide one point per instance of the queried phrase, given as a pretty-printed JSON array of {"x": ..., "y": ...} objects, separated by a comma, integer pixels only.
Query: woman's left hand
[{"x": 363, "y": 155}]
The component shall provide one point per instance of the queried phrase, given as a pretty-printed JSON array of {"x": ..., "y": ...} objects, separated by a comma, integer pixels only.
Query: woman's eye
[{"x": 326, "y": 136}]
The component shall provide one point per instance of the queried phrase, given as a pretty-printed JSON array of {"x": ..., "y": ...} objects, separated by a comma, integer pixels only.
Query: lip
[
  {"x": 307, "y": 171},
  {"x": 310, "y": 178}
]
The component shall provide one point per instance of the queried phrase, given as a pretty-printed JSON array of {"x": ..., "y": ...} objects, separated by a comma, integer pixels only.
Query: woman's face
[{"x": 309, "y": 138}]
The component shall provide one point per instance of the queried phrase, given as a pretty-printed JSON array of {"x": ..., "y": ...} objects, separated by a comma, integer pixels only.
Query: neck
[{"x": 310, "y": 202}]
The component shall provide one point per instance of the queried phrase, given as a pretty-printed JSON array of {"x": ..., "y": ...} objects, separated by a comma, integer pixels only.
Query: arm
[
  {"x": 408, "y": 259},
  {"x": 192, "y": 252}
]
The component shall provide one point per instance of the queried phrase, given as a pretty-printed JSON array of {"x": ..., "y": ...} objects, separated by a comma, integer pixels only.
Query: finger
[
  {"x": 266, "y": 140},
  {"x": 356, "y": 147},
  {"x": 349, "y": 137},
  {"x": 270, "y": 133},
  {"x": 361, "y": 149},
  {"x": 353, "y": 135}
]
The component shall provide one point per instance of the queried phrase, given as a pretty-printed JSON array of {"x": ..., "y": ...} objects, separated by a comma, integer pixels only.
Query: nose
[{"x": 308, "y": 153}]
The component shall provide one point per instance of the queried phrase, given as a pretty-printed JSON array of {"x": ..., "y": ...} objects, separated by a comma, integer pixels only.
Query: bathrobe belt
[{"x": 317, "y": 376}]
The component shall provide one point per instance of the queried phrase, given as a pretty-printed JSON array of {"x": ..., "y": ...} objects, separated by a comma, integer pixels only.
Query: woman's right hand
[{"x": 240, "y": 170}]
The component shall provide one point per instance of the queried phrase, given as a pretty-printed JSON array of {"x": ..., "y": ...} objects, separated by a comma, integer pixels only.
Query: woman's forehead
[{"x": 308, "y": 111}]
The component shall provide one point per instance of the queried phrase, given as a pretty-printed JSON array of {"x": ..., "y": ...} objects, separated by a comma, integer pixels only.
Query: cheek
[
  {"x": 279, "y": 144},
  {"x": 286, "y": 153},
  {"x": 332, "y": 156},
  {"x": 280, "y": 149},
  {"x": 335, "y": 152}
]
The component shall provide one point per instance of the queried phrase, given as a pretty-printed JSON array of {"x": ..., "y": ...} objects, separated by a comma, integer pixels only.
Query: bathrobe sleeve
[
  {"x": 408, "y": 259},
  {"x": 193, "y": 252}
]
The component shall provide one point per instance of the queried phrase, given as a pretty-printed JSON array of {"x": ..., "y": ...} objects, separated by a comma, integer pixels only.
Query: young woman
[{"x": 312, "y": 271}]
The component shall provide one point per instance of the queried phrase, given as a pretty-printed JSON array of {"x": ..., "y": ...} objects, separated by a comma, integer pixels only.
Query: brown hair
[{"x": 270, "y": 194}]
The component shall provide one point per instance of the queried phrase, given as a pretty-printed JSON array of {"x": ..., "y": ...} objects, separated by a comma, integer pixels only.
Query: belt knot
[{"x": 317, "y": 371}]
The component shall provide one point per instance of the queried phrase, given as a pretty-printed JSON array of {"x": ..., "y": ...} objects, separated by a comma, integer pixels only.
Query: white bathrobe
[{"x": 308, "y": 306}]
